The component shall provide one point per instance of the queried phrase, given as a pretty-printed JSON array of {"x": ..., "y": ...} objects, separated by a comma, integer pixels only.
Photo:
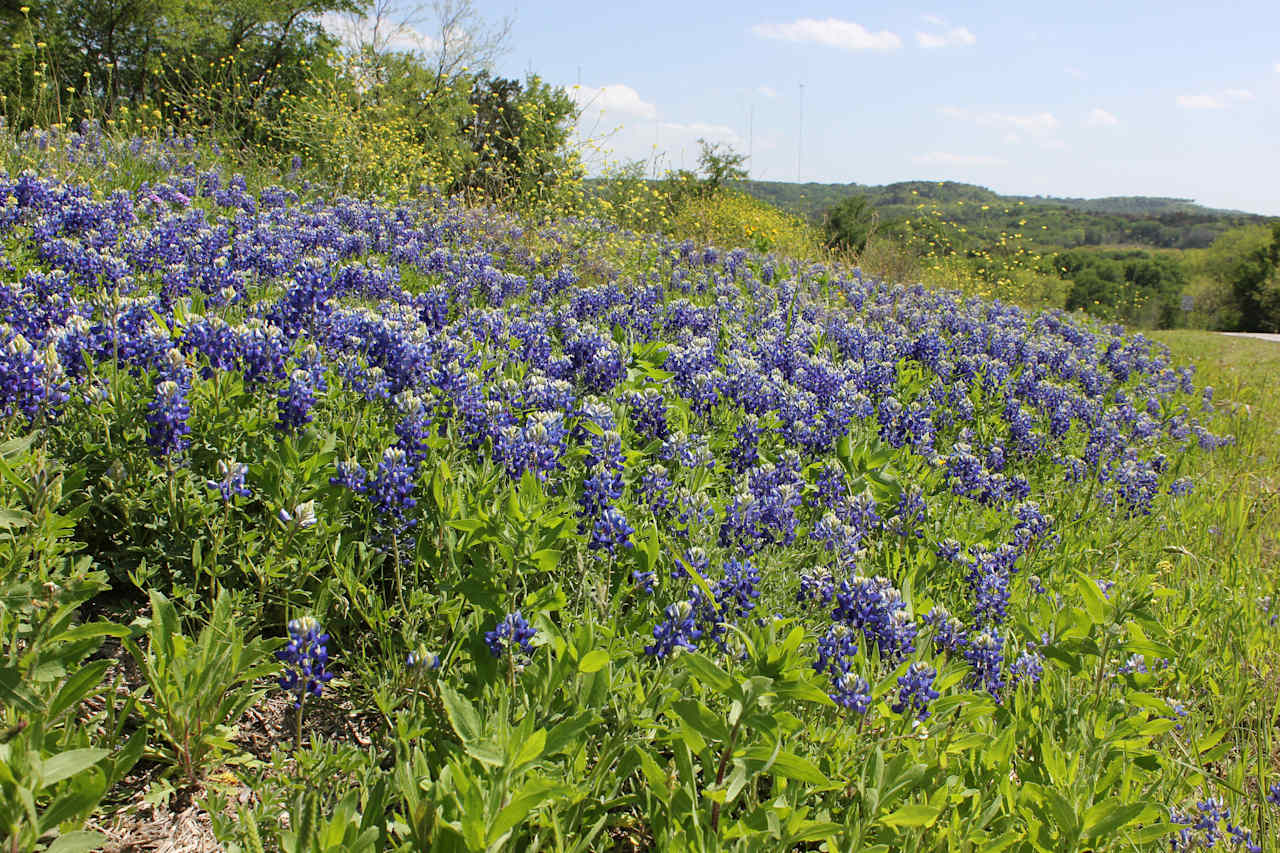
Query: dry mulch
[{"x": 178, "y": 823}]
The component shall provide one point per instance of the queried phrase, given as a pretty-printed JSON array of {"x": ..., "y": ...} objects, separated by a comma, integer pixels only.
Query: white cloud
[
  {"x": 832, "y": 32},
  {"x": 1036, "y": 124},
  {"x": 953, "y": 37},
  {"x": 1200, "y": 102},
  {"x": 767, "y": 92},
  {"x": 1075, "y": 72},
  {"x": 1278, "y": 67},
  {"x": 675, "y": 134},
  {"x": 943, "y": 158},
  {"x": 1214, "y": 102},
  {"x": 1099, "y": 117},
  {"x": 1012, "y": 139},
  {"x": 615, "y": 99}
]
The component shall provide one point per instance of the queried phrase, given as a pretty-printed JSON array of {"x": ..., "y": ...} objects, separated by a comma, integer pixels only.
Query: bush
[{"x": 730, "y": 218}]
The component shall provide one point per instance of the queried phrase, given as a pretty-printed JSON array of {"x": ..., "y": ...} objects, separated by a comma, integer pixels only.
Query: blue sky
[{"x": 1078, "y": 98}]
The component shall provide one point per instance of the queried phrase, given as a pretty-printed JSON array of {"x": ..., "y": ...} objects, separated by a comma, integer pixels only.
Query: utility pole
[
  {"x": 751, "y": 136},
  {"x": 800, "y": 136}
]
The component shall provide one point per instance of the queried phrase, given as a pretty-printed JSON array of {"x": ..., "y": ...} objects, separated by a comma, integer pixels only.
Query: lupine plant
[
  {"x": 713, "y": 549},
  {"x": 305, "y": 658}
]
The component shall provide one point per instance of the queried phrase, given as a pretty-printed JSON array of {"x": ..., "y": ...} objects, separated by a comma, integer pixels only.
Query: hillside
[{"x": 1044, "y": 221}]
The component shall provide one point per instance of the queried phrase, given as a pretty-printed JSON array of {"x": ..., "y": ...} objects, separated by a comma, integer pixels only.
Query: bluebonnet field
[{"x": 608, "y": 541}]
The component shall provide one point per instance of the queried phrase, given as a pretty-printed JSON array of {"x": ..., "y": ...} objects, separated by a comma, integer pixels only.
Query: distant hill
[{"x": 1042, "y": 220}]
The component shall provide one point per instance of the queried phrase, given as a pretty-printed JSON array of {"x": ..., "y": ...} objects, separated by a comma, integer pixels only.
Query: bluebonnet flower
[
  {"x": 648, "y": 412},
  {"x": 745, "y": 452},
  {"x": 303, "y": 515},
  {"x": 511, "y": 632},
  {"x": 916, "y": 690},
  {"x": 695, "y": 559},
  {"x": 1179, "y": 713},
  {"x": 836, "y": 650},
  {"x": 1273, "y": 794},
  {"x": 851, "y": 692},
  {"x": 678, "y": 630},
  {"x": 816, "y": 586},
  {"x": 1134, "y": 664},
  {"x": 949, "y": 633},
  {"x": 167, "y": 415},
  {"x": 305, "y": 657},
  {"x": 985, "y": 653},
  {"x": 232, "y": 482},
  {"x": 989, "y": 586},
  {"x": 350, "y": 475},
  {"x": 737, "y": 591},
  {"x": 422, "y": 660},
  {"x": 1028, "y": 667},
  {"x": 655, "y": 489},
  {"x": 948, "y": 549},
  {"x": 391, "y": 487},
  {"x": 611, "y": 531},
  {"x": 293, "y": 407},
  {"x": 414, "y": 427},
  {"x": 1206, "y": 828},
  {"x": 644, "y": 581},
  {"x": 536, "y": 447},
  {"x": 876, "y": 607}
]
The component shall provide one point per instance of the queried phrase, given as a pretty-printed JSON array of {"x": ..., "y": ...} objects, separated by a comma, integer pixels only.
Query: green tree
[
  {"x": 719, "y": 165},
  {"x": 849, "y": 223},
  {"x": 1255, "y": 281},
  {"x": 518, "y": 136},
  {"x": 221, "y": 61}
]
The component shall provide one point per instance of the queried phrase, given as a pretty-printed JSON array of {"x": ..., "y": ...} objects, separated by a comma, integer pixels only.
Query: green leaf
[
  {"x": 814, "y": 831},
  {"x": 568, "y": 732},
  {"x": 77, "y": 687},
  {"x": 788, "y": 764},
  {"x": 1094, "y": 601},
  {"x": 550, "y": 597},
  {"x": 546, "y": 559},
  {"x": 164, "y": 626},
  {"x": 16, "y": 694},
  {"x": 520, "y": 807},
  {"x": 593, "y": 661},
  {"x": 803, "y": 691},
  {"x": 1103, "y": 819},
  {"x": 1208, "y": 741},
  {"x": 80, "y": 841},
  {"x": 912, "y": 815},
  {"x": 700, "y": 719},
  {"x": 92, "y": 630},
  {"x": 462, "y": 715},
  {"x": 531, "y": 749},
  {"x": 67, "y": 764},
  {"x": 710, "y": 674}
]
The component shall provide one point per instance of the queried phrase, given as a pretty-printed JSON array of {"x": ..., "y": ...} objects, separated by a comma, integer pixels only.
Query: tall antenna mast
[
  {"x": 800, "y": 136},
  {"x": 751, "y": 136}
]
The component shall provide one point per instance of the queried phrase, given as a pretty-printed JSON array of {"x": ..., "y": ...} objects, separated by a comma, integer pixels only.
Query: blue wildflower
[
  {"x": 916, "y": 690},
  {"x": 676, "y": 631},
  {"x": 232, "y": 482},
  {"x": 305, "y": 658},
  {"x": 514, "y": 630}
]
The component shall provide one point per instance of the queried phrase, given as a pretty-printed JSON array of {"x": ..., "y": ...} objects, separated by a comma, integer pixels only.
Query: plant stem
[
  {"x": 395, "y": 556},
  {"x": 724, "y": 763}
]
